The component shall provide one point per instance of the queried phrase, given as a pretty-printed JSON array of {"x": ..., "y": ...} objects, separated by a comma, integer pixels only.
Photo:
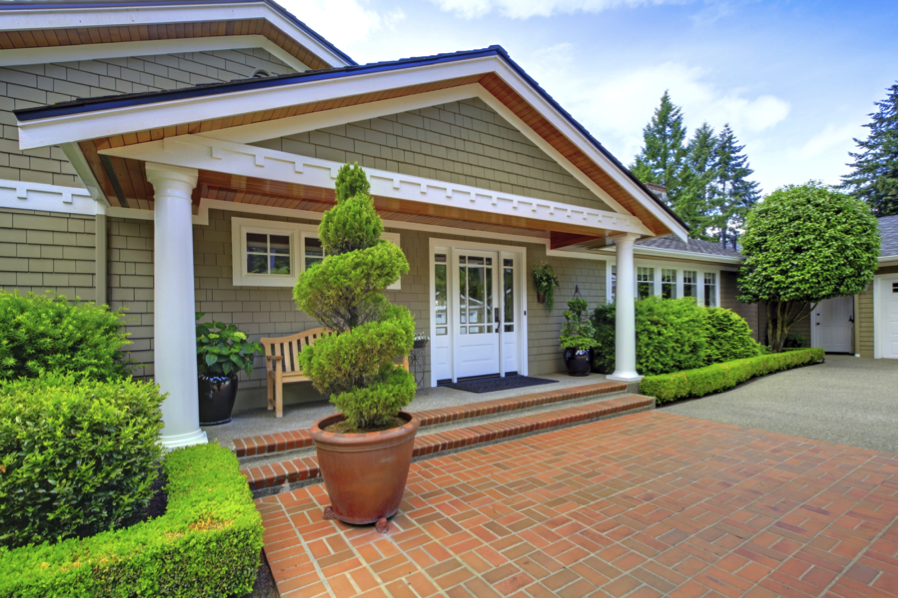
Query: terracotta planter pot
[{"x": 365, "y": 473}]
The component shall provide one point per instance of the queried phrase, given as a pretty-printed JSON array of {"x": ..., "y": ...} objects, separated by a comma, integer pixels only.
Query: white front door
[
  {"x": 888, "y": 312},
  {"x": 833, "y": 324},
  {"x": 478, "y": 312},
  {"x": 476, "y": 330}
]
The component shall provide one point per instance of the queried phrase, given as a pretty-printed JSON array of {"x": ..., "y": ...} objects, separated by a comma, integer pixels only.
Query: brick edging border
[
  {"x": 300, "y": 438},
  {"x": 292, "y": 471}
]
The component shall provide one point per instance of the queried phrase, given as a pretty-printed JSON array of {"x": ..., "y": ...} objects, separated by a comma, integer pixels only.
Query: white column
[
  {"x": 625, "y": 328},
  {"x": 175, "y": 345}
]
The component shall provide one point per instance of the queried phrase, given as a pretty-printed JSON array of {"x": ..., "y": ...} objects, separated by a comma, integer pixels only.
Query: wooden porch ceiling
[{"x": 76, "y": 36}]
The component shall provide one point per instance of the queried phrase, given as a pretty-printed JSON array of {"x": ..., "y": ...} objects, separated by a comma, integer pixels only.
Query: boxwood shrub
[
  {"x": 77, "y": 456},
  {"x": 207, "y": 543},
  {"x": 674, "y": 335},
  {"x": 47, "y": 333},
  {"x": 719, "y": 377}
]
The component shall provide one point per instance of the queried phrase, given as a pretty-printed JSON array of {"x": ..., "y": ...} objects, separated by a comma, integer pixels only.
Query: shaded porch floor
[{"x": 260, "y": 421}]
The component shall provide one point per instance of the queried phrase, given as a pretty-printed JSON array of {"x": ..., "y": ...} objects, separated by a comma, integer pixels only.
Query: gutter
[{"x": 644, "y": 251}]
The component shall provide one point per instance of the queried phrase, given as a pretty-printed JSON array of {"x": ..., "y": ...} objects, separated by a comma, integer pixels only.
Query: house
[{"x": 176, "y": 156}]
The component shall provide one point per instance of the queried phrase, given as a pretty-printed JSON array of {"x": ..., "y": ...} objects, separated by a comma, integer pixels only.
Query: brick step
[
  {"x": 300, "y": 438},
  {"x": 272, "y": 478}
]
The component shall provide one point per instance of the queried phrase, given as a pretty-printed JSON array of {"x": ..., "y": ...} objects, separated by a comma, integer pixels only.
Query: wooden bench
[{"x": 282, "y": 363}]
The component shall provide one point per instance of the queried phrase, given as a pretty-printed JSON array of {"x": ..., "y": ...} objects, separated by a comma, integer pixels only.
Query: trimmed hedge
[
  {"x": 727, "y": 337},
  {"x": 77, "y": 456},
  {"x": 47, "y": 333},
  {"x": 207, "y": 543},
  {"x": 719, "y": 377}
]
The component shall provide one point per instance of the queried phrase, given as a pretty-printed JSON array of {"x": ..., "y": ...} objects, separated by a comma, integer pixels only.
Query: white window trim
[
  {"x": 298, "y": 232},
  {"x": 658, "y": 265}
]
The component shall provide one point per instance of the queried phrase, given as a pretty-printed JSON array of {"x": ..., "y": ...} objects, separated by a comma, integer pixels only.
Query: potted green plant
[
  {"x": 222, "y": 352},
  {"x": 577, "y": 338},
  {"x": 546, "y": 282},
  {"x": 365, "y": 451}
]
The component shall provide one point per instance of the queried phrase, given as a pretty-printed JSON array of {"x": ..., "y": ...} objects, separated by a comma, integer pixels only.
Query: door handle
[{"x": 496, "y": 315}]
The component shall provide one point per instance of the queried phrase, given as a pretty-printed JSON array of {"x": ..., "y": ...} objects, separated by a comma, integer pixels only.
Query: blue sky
[{"x": 795, "y": 79}]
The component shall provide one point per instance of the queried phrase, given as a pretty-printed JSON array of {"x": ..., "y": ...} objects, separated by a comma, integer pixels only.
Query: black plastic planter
[
  {"x": 579, "y": 362},
  {"x": 217, "y": 395}
]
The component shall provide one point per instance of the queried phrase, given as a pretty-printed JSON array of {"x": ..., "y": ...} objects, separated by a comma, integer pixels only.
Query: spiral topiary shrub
[{"x": 344, "y": 293}]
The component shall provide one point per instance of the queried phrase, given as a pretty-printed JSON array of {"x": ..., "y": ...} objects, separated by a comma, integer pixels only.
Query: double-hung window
[
  {"x": 669, "y": 283},
  {"x": 645, "y": 281},
  {"x": 274, "y": 253},
  {"x": 711, "y": 290},
  {"x": 690, "y": 284}
]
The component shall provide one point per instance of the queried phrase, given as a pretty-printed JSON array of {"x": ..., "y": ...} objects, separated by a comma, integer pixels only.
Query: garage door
[{"x": 889, "y": 318}]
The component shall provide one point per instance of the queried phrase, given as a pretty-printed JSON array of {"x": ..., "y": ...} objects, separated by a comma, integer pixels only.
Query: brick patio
[{"x": 648, "y": 504}]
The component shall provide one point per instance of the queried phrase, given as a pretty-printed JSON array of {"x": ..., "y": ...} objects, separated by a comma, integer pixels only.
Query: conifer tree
[
  {"x": 732, "y": 194},
  {"x": 874, "y": 178},
  {"x": 693, "y": 204},
  {"x": 661, "y": 160}
]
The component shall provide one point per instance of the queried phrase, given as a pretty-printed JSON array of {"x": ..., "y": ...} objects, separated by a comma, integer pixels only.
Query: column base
[
  {"x": 197, "y": 437},
  {"x": 624, "y": 377}
]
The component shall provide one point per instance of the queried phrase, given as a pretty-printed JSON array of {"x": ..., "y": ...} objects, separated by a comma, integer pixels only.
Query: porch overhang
[{"x": 200, "y": 127}]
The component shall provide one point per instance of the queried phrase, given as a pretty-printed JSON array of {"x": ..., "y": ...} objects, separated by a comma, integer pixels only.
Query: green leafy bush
[
  {"x": 222, "y": 349},
  {"x": 578, "y": 332},
  {"x": 345, "y": 294},
  {"x": 77, "y": 456},
  {"x": 727, "y": 336},
  {"x": 47, "y": 333},
  {"x": 719, "y": 377},
  {"x": 670, "y": 335},
  {"x": 206, "y": 545}
]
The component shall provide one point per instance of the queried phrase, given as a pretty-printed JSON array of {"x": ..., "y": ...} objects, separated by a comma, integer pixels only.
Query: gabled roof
[
  {"x": 490, "y": 67},
  {"x": 889, "y": 244},
  {"x": 38, "y": 26}
]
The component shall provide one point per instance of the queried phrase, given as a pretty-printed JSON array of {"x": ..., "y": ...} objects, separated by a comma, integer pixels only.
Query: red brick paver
[
  {"x": 300, "y": 469},
  {"x": 643, "y": 505},
  {"x": 297, "y": 439}
]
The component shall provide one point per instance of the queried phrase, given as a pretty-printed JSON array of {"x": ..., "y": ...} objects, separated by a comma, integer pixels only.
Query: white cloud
[
  {"x": 524, "y": 9},
  {"x": 832, "y": 137},
  {"x": 344, "y": 23},
  {"x": 617, "y": 106}
]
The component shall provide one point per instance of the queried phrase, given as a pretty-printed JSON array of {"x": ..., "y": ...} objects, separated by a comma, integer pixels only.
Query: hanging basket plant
[{"x": 546, "y": 282}]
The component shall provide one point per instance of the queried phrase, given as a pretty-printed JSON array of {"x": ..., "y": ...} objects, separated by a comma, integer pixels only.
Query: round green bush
[
  {"x": 727, "y": 336},
  {"x": 47, "y": 333},
  {"x": 344, "y": 293},
  {"x": 77, "y": 456}
]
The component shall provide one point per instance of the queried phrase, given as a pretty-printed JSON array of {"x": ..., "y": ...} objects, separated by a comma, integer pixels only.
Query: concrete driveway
[{"x": 846, "y": 400}]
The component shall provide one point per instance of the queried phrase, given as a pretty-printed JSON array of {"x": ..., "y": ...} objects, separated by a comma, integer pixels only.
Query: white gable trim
[
  {"x": 26, "y": 56},
  {"x": 106, "y": 16},
  {"x": 22, "y": 195},
  {"x": 250, "y": 161},
  {"x": 56, "y": 130}
]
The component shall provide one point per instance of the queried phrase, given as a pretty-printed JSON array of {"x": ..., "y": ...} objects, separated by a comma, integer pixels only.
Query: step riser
[
  {"x": 286, "y": 476},
  {"x": 249, "y": 447},
  {"x": 434, "y": 427}
]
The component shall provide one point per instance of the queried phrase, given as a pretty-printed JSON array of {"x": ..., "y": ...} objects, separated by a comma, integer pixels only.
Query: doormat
[{"x": 497, "y": 383}]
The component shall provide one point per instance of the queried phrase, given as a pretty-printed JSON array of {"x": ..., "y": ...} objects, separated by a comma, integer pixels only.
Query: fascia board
[
  {"x": 250, "y": 161},
  {"x": 79, "y": 162},
  {"x": 887, "y": 260},
  {"x": 644, "y": 251},
  {"x": 110, "y": 16},
  {"x": 116, "y": 121},
  {"x": 26, "y": 56}
]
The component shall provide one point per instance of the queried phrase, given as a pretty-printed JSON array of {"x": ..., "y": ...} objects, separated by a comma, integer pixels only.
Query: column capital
[
  {"x": 625, "y": 239},
  {"x": 157, "y": 173}
]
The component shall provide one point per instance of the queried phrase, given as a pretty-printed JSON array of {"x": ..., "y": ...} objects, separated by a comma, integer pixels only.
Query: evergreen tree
[
  {"x": 661, "y": 160},
  {"x": 732, "y": 194},
  {"x": 873, "y": 178},
  {"x": 693, "y": 203}
]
